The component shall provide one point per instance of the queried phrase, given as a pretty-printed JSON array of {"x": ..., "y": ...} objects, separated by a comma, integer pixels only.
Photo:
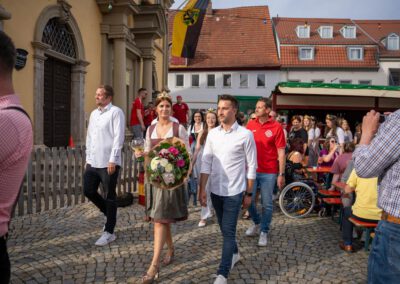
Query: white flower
[
  {"x": 168, "y": 178},
  {"x": 164, "y": 162},
  {"x": 154, "y": 163},
  {"x": 169, "y": 168}
]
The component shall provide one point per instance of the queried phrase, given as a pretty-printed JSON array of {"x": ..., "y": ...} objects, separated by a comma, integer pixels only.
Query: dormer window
[
  {"x": 348, "y": 31},
  {"x": 325, "y": 31},
  {"x": 306, "y": 53},
  {"x": 393, "y": 42},
  {"x": 303, "y": 31},
  {"x": 355, "y": 53}
]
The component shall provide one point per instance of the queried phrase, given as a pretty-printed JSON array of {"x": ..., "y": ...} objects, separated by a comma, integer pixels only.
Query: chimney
[{"x": 209, "y": 11}]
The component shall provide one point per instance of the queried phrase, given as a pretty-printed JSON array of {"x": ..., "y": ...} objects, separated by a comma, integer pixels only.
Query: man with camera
[{"x": 378, "y": 154}]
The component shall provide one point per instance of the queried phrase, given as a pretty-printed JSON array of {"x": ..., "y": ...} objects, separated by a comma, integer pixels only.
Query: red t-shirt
[
  {"x": 269, "y": 137},
  {"x": 137, "y": 104},
  {"x": 149, "y": 115},
  {"x": 180, "y": 112}
]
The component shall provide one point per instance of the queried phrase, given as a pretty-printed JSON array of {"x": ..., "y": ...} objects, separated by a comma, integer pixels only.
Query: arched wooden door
[{"x": 57, "y": 103}]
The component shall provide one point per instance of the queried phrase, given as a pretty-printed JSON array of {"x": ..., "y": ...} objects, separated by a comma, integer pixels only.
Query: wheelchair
[{"x": 299, "y": 198}]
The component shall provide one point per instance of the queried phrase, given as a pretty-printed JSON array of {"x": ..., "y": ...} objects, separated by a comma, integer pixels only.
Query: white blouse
[{"x": 182, "y": 135}]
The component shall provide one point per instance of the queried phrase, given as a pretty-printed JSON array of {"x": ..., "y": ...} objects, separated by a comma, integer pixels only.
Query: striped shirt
[
  {"x": 382, "y": 158},
  {"x": 16, "y": 146}
]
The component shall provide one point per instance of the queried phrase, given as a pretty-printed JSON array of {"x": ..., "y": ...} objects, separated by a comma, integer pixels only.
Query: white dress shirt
[
  {"x": 105, "y": 136},
  {"x": 229, "y": 158}
]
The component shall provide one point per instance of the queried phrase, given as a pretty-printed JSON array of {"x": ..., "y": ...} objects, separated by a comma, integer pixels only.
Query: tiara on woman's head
[
  {"x": 163, "y": 95},
  {"x": 211, "y": 110}
]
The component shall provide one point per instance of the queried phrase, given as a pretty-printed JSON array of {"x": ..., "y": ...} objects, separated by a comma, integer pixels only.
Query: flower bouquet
[{"x": 168, "y": 164}]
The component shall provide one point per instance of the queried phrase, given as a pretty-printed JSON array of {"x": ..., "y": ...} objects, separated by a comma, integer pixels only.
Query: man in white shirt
[
  {"x": 230, "y": 163},
  {"x": 104, "y": 141}
]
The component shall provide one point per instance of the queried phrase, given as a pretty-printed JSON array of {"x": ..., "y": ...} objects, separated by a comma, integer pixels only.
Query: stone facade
[{"x": 119, "y": 42}]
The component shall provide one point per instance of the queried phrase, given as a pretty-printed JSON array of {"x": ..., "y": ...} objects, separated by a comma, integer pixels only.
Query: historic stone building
[{"x": 72, "y": 46}]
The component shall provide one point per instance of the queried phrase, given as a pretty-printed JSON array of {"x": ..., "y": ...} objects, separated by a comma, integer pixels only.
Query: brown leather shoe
[{"x": 348, "y": 248}]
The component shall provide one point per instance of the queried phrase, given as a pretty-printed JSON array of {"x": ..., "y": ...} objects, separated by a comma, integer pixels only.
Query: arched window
[{"x": 59, "y": 37}]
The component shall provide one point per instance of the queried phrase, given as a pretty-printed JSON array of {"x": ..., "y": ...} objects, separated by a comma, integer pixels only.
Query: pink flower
[
  {"x": 173, "y": 151},
  {"x": 180, "y": 163},
  {"x": 163, "y": 152}
]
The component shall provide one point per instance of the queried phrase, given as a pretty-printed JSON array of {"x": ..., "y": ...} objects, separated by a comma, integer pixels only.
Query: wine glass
[{"x": 137, "y": 145}]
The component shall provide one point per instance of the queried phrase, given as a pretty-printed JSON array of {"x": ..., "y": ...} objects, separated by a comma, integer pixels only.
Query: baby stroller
[{"x": 298, "y": 198}]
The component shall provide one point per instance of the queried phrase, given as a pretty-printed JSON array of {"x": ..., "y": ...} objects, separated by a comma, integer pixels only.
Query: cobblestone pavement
[{"x": 58, "y": 247}]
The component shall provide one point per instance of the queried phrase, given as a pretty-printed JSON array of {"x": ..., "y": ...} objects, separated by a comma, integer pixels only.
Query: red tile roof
[
  {"x": 328, "y": 53},
  {"x": 286, "y": 31},
  {"x": 328, "y": 57},
  {"x": 379, "y": 30},
  {"x": 233, "y": 38}
]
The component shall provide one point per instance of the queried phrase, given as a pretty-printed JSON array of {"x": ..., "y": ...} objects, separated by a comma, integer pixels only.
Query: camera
[{"x": 382, "y": 118}]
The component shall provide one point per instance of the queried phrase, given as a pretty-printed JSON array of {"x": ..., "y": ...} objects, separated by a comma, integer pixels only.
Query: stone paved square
[{"x": 58, "y": 247}]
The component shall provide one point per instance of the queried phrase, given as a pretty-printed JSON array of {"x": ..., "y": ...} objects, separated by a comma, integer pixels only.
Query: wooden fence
[{"x": 54, "y": 179}]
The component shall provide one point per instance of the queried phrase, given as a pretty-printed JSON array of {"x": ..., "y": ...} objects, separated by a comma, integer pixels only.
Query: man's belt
[{"x": 390, "y": 218}]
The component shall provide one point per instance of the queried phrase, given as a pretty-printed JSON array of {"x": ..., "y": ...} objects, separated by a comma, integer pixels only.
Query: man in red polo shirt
[
  {"x": 181, "y": 111},
  {"x": 137, "y": 114},
  {"x": 270, "y": 143}
]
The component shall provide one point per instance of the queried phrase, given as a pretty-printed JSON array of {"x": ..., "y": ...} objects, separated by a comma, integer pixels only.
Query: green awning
[{"x": 338, "y": 89}]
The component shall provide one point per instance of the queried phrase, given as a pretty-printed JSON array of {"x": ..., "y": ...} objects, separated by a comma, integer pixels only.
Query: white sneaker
[
  {"x": 262, "y": 241},
  {"x": 105, "y": 238},
  {"x": 220, "y": 280},
  {"x": 235, "y": 259},
  {"x": 253, "y": 230},
  {"x": 202, "y": 223}
]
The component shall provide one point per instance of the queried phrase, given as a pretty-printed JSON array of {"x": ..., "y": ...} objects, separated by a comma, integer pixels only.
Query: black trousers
[
  {"x": 5, "y": 268},
  {"x": 91, "y": 181}
]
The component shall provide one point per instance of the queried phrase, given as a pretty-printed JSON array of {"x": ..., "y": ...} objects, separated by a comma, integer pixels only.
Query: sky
[{"x": 353, "y": 9}]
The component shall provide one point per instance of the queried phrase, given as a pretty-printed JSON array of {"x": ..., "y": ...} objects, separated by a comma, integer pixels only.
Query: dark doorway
[{"x": 57, "y": 103}]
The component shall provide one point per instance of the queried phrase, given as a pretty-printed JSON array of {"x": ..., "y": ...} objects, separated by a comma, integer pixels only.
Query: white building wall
[
  {"x": 377, "y": 77},
  {"x": 204, "y": 97},
  {"x": 385, "y": 66}
]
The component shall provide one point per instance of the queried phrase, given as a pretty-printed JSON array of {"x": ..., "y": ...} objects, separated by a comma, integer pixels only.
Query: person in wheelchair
[
  {"x": 298, "y": 198},
  {"x": 295, "y": 167}
]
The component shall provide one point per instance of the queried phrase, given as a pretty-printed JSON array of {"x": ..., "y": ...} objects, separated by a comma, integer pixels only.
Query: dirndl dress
[{"x": 163, "y": 205}]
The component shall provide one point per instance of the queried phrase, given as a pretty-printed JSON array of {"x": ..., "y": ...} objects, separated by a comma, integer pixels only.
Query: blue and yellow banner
[{"x": 187, "y": 28}]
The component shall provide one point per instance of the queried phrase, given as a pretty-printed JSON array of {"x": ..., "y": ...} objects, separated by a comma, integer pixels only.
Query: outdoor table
[
  {"x": 314, "y": 171},
  {"x": 319, "y": 170}
]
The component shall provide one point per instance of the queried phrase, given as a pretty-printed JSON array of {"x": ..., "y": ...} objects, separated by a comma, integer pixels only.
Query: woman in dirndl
[{"x": 164, "y": 206}]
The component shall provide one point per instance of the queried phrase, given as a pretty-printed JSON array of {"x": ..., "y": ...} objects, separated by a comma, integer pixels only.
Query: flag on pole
[{"x": 187, "y": 27}]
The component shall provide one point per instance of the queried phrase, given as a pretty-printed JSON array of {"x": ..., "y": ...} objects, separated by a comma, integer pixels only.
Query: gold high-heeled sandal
[
  {"x": 168, "y": 258},
  {"x": 148, "y": 279}
]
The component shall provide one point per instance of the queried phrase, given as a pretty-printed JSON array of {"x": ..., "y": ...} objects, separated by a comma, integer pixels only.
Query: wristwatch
[
  {"x": 248, "y": 193},
  {"x": 281, "y": 174}
]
